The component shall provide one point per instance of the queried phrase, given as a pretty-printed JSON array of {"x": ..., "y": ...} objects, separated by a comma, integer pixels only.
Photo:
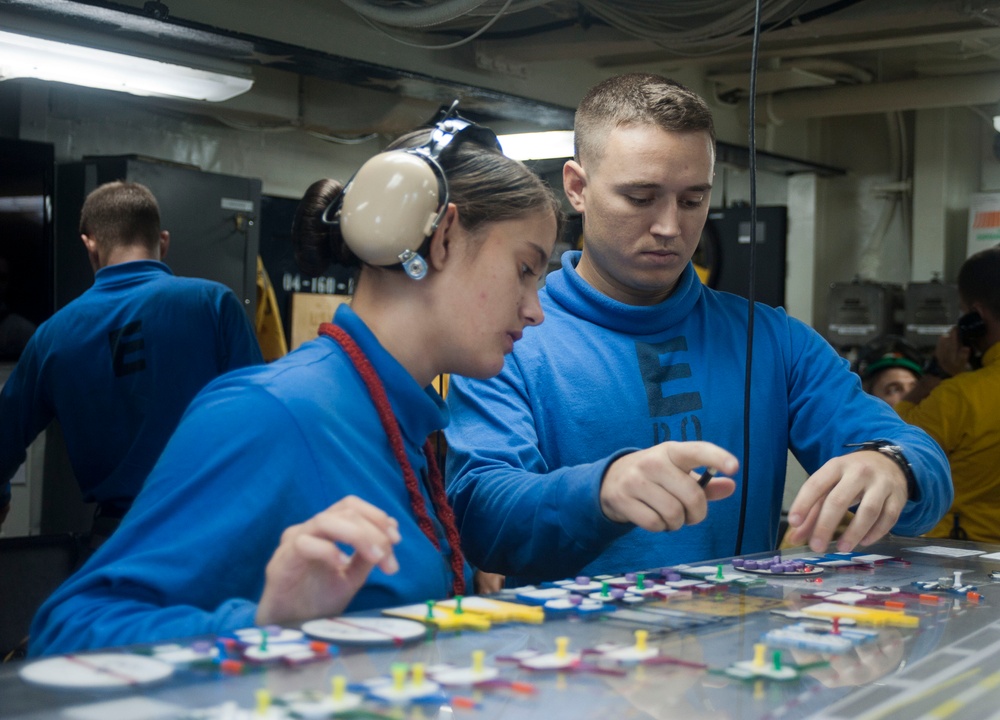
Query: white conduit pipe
[
  {"x": 414, "y": 17},
  {"x": 919, "y": 94}
]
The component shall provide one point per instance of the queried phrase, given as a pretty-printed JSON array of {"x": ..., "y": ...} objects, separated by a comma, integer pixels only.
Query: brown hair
[
  {"x": 636, "y": 98},
  {"x": 485, "y": 185},
  {"x": 118, "y": 214},
  {"x": 979, "y": 279}
]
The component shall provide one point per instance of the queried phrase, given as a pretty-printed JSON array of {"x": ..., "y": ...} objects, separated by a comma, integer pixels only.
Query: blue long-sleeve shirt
[
  {"x": 529, "y": 448},
  {"x": 118, "y": 366},
  {"x": 259, "y": 450}
]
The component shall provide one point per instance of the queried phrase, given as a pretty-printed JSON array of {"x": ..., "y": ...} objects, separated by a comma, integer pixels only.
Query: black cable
[{"x": 753, "y": 277}]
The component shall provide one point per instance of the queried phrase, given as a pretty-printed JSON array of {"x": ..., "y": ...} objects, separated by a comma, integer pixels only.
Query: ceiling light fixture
[
  {"x": 538, "y": 145},
  {"x": 22, "y": 56}
]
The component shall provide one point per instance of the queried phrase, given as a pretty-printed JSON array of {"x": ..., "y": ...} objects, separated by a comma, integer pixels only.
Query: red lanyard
[{"x": 391, "y": 427}]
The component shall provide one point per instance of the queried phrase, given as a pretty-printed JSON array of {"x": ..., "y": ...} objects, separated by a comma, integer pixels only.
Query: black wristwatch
[{"x": 895, "y": 453}]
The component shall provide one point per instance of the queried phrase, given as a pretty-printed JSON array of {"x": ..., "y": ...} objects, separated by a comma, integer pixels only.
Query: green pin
[
  {"x": 604, "y": 589},
  {"x": 458, "y": 605},
  {"x": 718, "y": 573},
  {"x": 640, "y": 581},
  {"x": 263, "y": 640},
  {"x": 430, "y": 609},
  {"x": 777, "y": 660}
]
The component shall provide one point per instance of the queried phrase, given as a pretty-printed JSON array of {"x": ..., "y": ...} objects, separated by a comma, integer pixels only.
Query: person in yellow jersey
[{"x": 956, "y": 403}]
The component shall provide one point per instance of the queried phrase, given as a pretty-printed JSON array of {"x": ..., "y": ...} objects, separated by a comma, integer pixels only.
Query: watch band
[{"x": 895, "y": 453}]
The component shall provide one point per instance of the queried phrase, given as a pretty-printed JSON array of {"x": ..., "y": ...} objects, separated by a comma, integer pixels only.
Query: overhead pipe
[{"x": 918, "y": 94}]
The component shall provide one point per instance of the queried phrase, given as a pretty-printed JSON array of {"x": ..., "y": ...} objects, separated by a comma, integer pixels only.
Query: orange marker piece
[
  {"x": 320, "y": 648},
  {"x": 231, "y": 667},
  {"x": 929, "y": 599},
  {"x": 895, "y": 604},
  {"x": 464, "y": 703},
  {"x": 973, "y": 597},
  {"x": 523, "y": 687}
]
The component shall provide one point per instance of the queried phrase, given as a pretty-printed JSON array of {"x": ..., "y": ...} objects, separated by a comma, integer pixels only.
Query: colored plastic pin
[
  {"x": 339, "y": 684},
  {"x": 776, "y": 659},
  {"x": 640, "y": 580},
  {"x": 430, "y": 609},
  {"x": 706, "y": 476},
  {"x": 263, "y": 640},
  {"x": 458, "y": 605},
  {"x": 758, "y": 654},
  {"x": 477, "y": 661},
  {"x": 562, "y": 643},
  {"x": 398, "y": 671},
  {"x": 263, "y": 701},
  {"x": 464, "y": 703},
  {"x": 640, "y": 640},
  {"x": 604, "y": 589},
  {"x": 718, "y": 573},
  {"x": 418, "y": 674}
]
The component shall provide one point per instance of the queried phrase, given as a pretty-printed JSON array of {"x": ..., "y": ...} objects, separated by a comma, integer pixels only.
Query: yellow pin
[{"x": 339, "y": 683}]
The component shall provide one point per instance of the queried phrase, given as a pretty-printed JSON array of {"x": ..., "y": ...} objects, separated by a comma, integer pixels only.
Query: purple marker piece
[
  {"x": 631, "y": 577},
  {"x": 738, "y": 562},
  {"x": 582, "y": 580},
  {"x": 617, "y": 593},
  {"x": 673, "y": 577},
  {"x": 575, "y": 599},
  {"x": 778, "y": 568},
  {"x": 750, "y": 565}
]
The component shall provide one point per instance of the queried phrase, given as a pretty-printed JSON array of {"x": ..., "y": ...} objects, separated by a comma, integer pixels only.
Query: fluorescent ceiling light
[
  {"x": 539, "y": 145},
  {"x": 22, "y": 56}
]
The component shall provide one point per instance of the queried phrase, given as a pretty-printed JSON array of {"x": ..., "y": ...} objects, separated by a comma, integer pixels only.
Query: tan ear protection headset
[{"x": 394, "y": 203}]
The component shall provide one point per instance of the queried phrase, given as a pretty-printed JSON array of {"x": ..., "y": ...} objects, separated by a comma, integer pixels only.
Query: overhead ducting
[{"x": 915, "y": 94}]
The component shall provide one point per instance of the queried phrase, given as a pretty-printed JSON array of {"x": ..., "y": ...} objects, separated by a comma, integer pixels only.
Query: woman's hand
[{"x": 309, "y": 576}]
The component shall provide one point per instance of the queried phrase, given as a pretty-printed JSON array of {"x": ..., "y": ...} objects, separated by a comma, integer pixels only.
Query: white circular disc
[
  {"x": 255, "y": 636},
  {"x": 465, "y": 676},
  {"x": 632, "y": 654},
  {"x": 550, "y": 661},
  {"x": 105, "y": 670},
  {"x": 409, "y": 691},
  {"x": 324, "y": 707},
  {"x": 365, "y": 630}
]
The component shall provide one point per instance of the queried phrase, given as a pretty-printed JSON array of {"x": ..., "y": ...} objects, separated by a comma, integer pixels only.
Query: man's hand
[
  {"x": 309, "y": 576},
  {"x": 866, "y": 478},
  {"x": 486, "y": 583},
  {"x": 657, "y": 488},
  {"x": 951, "y": 354}
]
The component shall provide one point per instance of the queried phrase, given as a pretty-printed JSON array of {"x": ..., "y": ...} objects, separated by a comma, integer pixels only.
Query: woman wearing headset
[{"x": 304, "y": 488}]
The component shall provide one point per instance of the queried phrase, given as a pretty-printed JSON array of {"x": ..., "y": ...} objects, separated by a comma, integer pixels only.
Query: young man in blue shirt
[
  {"x": 583, "y": 455},
  {"x": 118, "y": 365}
]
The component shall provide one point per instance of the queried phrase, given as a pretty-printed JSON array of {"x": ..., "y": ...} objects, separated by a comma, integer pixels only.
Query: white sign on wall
[{"x": 984, "y": 222}]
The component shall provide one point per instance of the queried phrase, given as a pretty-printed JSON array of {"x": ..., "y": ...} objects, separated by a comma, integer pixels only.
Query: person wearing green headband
[{"x": 890, "y": 377}]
